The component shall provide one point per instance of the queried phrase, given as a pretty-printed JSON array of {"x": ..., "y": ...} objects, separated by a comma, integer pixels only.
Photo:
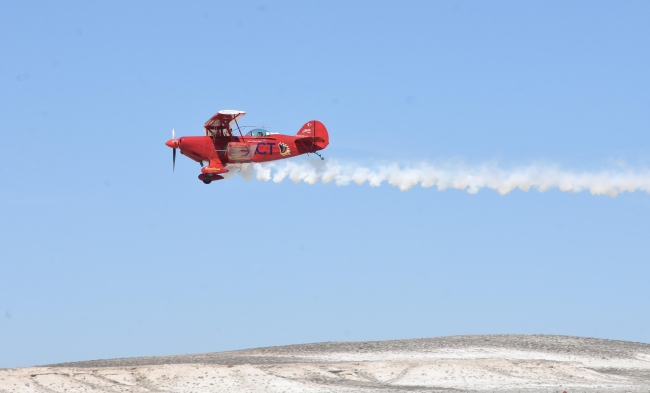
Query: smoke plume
[{"x": 457, "y": 176}]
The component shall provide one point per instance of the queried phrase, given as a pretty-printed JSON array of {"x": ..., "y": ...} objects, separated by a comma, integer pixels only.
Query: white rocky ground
[{"x": 512, "y": 363}]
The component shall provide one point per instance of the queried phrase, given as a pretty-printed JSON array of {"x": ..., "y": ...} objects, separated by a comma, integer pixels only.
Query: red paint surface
[{"x": 218, "y": 151}]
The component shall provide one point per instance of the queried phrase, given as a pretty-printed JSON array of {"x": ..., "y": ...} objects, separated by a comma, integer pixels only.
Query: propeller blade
[{"x": 174, "y": 150}]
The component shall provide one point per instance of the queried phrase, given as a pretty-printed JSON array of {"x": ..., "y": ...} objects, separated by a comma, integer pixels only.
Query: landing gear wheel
[{"x": 207, "y": 181}]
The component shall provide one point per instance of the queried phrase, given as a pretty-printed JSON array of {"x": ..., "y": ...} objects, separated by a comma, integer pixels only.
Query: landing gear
[
  {"x": 318, "y": 154},
  {"x": 208, "y": 178}
]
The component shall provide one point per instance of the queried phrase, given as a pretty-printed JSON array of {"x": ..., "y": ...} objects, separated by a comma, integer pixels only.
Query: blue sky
[{"x": 104, "y": 252}]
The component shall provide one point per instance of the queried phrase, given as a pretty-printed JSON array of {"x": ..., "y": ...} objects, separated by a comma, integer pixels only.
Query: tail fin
[{"x": 314, "y": 134}]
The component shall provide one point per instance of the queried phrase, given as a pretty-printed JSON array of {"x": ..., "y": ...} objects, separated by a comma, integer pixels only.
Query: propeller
[
  {"x": 173, "y": 143},
  {"x": 173, "y": 151}
]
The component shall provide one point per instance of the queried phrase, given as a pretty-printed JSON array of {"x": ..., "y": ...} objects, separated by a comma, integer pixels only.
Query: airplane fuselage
[{"x": 262, "y": 149}]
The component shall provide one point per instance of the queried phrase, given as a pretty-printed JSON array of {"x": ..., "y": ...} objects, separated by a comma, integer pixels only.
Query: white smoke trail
[{"x": 461, "y": 177}]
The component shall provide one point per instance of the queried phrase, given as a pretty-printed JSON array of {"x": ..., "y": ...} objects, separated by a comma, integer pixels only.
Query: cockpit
[{"x": 258, "y": 132}]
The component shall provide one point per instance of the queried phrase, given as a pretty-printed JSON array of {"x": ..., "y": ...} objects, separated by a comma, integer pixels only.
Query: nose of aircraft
[{"x": 173, "y": 143}]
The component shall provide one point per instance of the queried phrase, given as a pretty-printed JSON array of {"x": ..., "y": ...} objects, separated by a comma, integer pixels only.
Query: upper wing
[{"x": 220, "y": 124}]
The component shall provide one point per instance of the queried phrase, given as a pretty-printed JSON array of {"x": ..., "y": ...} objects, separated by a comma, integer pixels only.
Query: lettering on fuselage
[{"x": 263, "y": 149}]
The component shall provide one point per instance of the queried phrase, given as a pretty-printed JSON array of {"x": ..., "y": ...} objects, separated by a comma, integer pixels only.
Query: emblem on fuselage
[{"x": 284, "y": 149}]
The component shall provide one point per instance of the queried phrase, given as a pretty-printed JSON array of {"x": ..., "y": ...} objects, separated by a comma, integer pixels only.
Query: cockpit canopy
[{"x": 258, "y": 132}]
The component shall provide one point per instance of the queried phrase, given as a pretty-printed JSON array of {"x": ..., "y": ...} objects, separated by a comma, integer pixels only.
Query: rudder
[{"x": 315, "y": 134}]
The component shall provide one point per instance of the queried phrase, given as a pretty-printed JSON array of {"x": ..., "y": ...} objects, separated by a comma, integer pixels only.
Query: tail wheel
[{"x": 207, "y": 181}]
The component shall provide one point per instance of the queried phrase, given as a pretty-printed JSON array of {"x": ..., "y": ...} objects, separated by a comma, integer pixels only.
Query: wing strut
[
  {"x": 240, "y": 134},
  {"x": 248, "y": 150}
]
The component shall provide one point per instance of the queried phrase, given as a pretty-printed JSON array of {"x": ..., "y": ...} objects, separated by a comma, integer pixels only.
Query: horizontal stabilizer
[{"x": 311, "y": 139}]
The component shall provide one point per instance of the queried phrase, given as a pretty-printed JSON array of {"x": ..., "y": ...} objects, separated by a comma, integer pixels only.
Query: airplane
[{"x": 220, "y": 147}]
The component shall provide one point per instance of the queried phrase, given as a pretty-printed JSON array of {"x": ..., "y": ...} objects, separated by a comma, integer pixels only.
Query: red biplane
[{"x": 220, "y": 147}]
